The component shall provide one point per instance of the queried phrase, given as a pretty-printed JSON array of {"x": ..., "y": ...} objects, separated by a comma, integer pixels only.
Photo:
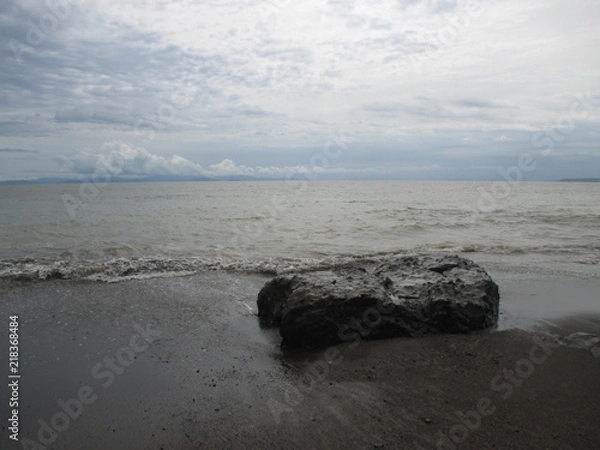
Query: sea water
[{"x": 117, "y": 231}]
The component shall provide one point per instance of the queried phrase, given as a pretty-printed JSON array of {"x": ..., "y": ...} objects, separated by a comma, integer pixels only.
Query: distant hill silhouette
[
  {"x": 581, "y": 180},
  {"x": 151, "y": 179}
]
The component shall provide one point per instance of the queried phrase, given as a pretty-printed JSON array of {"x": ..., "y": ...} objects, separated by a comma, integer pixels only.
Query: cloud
[
  {"x": 120, "y": 159},
  {"x": 88, "y": 115},
  {"x": 16, "y": 150},
  {"x": 124, "y": 160},
  {"x": 228, "y": 167},
  {"x": 502, "y": 138},
  {"x": 395, "y": 75},
  {"x": 478, "y": 103}
]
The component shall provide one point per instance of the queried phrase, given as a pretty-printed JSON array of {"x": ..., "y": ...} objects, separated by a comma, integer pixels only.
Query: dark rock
[{"x": 407, "y": 296}]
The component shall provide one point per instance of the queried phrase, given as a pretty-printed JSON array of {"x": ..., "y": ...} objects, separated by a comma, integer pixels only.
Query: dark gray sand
[{"x": 209, "y": 377}]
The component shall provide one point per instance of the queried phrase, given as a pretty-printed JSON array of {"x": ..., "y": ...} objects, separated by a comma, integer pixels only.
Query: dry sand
[{"x": 212, "y": 378}]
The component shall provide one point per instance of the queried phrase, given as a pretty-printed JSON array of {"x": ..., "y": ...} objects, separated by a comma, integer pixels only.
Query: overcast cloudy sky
[{"x": 411, "y": 89}]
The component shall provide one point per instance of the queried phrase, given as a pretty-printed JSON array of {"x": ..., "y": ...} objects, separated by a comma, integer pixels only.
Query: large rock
[{"x": 408, "y": 296}]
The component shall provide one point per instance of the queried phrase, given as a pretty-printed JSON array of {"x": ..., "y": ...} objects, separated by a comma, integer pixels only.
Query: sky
[{"x": 388, "y": 89}]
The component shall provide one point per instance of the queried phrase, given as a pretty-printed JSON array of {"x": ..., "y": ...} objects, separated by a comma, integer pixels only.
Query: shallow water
[{"x": 127, "y": 230}]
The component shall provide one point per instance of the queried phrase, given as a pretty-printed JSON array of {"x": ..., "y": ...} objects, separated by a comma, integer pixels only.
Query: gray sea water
[{"x": 120, "y": 231}]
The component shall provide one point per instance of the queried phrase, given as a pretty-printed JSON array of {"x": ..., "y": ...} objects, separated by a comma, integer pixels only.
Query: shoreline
[{"x": 212, "y": 377}]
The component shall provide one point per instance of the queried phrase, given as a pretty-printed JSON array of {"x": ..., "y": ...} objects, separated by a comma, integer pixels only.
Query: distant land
[
  {"x": 581, "y": 180},
  {"x": 175, "y": 178},
  {"x": 152, "y": 179}
]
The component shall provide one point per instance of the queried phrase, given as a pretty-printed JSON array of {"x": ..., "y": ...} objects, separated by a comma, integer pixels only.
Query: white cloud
[
  {"x": 121, "y": 159},
  {"x": 281, "y": 74}
]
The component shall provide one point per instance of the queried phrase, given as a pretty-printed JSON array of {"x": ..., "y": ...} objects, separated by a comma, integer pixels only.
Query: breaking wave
[{"x": 130, "y": 268}]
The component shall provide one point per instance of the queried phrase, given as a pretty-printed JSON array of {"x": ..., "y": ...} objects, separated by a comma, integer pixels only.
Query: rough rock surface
[{"x": 407, "y": 296}]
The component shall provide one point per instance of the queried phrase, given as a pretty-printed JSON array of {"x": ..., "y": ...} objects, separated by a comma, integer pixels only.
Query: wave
[
  {"x": 575, "y": 250},
  {"x": 121, "y": 269},
  {"x": 521, "y": 217}
]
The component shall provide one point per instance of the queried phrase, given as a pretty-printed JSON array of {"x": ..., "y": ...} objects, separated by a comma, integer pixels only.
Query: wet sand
[{"x": 203, "y": 373}]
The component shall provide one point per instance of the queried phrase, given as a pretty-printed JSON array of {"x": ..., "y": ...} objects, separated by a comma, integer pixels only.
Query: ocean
[
  {"x": 117, "y": 231},
  {"x": 89, "y": 272}
]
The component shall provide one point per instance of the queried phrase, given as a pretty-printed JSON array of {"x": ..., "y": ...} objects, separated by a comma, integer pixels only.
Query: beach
[
  {"x": 137, "y": 318},
  {"x": 276, "y": 225},
  {"x": 184, "y": 363}
]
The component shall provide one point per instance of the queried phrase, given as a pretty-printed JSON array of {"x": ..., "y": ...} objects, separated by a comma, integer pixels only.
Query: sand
[{"x": 183, "y": 363}]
